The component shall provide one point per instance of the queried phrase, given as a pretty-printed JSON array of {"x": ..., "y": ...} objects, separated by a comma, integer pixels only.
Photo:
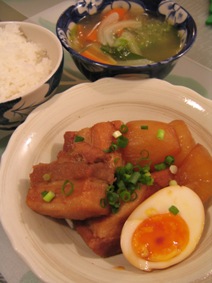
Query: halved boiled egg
[{"x": 164, "y": 229}]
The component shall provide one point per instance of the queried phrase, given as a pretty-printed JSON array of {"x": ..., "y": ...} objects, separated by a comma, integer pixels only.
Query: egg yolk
[{"x": 160, "y": 237}]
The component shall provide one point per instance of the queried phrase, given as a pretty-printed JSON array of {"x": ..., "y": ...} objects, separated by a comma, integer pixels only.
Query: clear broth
[{"x": 155, "y": 40}]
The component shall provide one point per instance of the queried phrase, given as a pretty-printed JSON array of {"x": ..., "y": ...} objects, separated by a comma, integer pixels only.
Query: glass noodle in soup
[{"x": 124, "y": 37}]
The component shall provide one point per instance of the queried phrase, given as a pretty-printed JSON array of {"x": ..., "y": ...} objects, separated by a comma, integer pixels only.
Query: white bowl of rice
[{"x": 31, "y": 67}]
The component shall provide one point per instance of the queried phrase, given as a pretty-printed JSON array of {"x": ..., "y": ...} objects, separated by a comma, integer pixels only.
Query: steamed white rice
[{"x": 23, "y": 63}]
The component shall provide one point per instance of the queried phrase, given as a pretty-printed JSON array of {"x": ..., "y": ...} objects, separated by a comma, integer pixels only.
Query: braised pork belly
[
  {"x": 88, "y": 166},
  {"x": 83, "y": 165}
]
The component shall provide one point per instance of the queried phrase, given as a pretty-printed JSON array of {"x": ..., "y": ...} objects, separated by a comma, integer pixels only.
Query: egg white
[{"x": 190, "y": 208}]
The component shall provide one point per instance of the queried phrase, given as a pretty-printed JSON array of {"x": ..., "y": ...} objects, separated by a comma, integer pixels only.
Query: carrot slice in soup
[
  {"x": 93, "y": 52},
  {"x": 93, "y": 34},
  {"x": 120, "y": 11}
]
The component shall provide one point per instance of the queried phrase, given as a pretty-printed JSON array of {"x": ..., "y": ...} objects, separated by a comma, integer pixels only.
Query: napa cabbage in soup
[{"x": 121, "y": 37}]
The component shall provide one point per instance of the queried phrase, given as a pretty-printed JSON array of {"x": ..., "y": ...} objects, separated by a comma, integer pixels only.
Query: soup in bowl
[{"x": 110, "y": 38}]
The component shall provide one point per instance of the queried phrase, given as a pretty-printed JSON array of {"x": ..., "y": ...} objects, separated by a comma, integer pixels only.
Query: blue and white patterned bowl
[
  {"x": 171, "y": 11},
  {"x": 14, "y": 111}
]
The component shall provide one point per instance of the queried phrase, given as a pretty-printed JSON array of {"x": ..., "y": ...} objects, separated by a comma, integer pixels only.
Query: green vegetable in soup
[
  {"x": 121, "y": 53},
  {"x": 128, "y": 40}
]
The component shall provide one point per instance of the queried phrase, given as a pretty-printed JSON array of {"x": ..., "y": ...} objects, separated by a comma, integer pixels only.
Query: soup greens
[{"x": 121, "y": 37}]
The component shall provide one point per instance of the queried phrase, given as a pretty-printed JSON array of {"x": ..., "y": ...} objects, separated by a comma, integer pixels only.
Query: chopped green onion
[
  {"x": 44, "y": 193},
  {"x": 46, "y": 177},
  {"x": 135, "y": 177},
  {"x": 160, "y": 166},
  {"x": 134, "y": 196},
  {"x": 174, "y": 210},
  {"x": 125, "y": 196},
  {"x": 128, "y": 167},
  {"x": 160, "y": 134},
  {"x": 147, "y": 179},
  {"x": 121, "y": 185},
  {"x": 64, "y": 188},
  {"x": 169, "y": 160},
  {"x": 113, "y": 147},
  {"x": 110, "y": 188},
  {"x": 114, "y": 209},
  {"x": 103, "y": 202},
  {"x": 122, "y": 141},
  {"x": 48, "y": 196},
  {"x": 128, "y": 179},
  {"x": 79, "y": 139},
  {"x": 113, "y": 198},
  {"x": 144, "y": 169},
  {"x": 121, "y": 189},
  {"x": 144, "y": 127},
  {"x": 123, "y": 129},
  {"x": 144, "y": 154}
]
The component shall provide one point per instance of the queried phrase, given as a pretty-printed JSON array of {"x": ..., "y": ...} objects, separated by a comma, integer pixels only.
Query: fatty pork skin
[{"x": 84, "y": 166}]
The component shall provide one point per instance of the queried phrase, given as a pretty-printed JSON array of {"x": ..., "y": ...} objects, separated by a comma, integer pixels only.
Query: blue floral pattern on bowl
[
  {"x": 14, "y": 112},
  {"x": 89, "y": 7},
  {"x": 175, "y": 15},
  {"x": 169, "y": 10},
  {"x": 173, "y": 12}
]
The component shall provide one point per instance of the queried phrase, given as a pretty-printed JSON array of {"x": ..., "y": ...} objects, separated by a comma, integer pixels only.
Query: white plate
[{"x": 51, "y": 249}]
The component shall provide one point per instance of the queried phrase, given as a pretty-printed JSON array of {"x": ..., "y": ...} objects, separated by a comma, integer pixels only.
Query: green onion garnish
[
  {"x": 128, "y": 167},
  {"x": 160, "y": 166},
  {"x": 144, "y": 127},
  {"x": 160, "y": 134},
  {"x": 128, "y": 179},
  {"x": 121, "y": 184},
  {"x": 144, "y": 154},
  {"x": 169, "y": 160},
  {"x": 79, "y": 139},
  {"x": 123, "y": 129},
  {"x": 121, "y": 142},
  {"x": 113, "y": 199},
  {"x": 174, "y": 210},
  {"x": 125, "y": 196},
  {"x": 48, "y": 196},
  {"x": 113, "y": 147},
  {"x": 46, "y": 177},
  {"x": 147, "y": 179},
  {"x": 65, "y": 185},
  {"x": 134, "y": 196},
  {"x": 103, "y": 202},
  {"x": 134, "y": 177},
  {"x": 44, "y": 193}
]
